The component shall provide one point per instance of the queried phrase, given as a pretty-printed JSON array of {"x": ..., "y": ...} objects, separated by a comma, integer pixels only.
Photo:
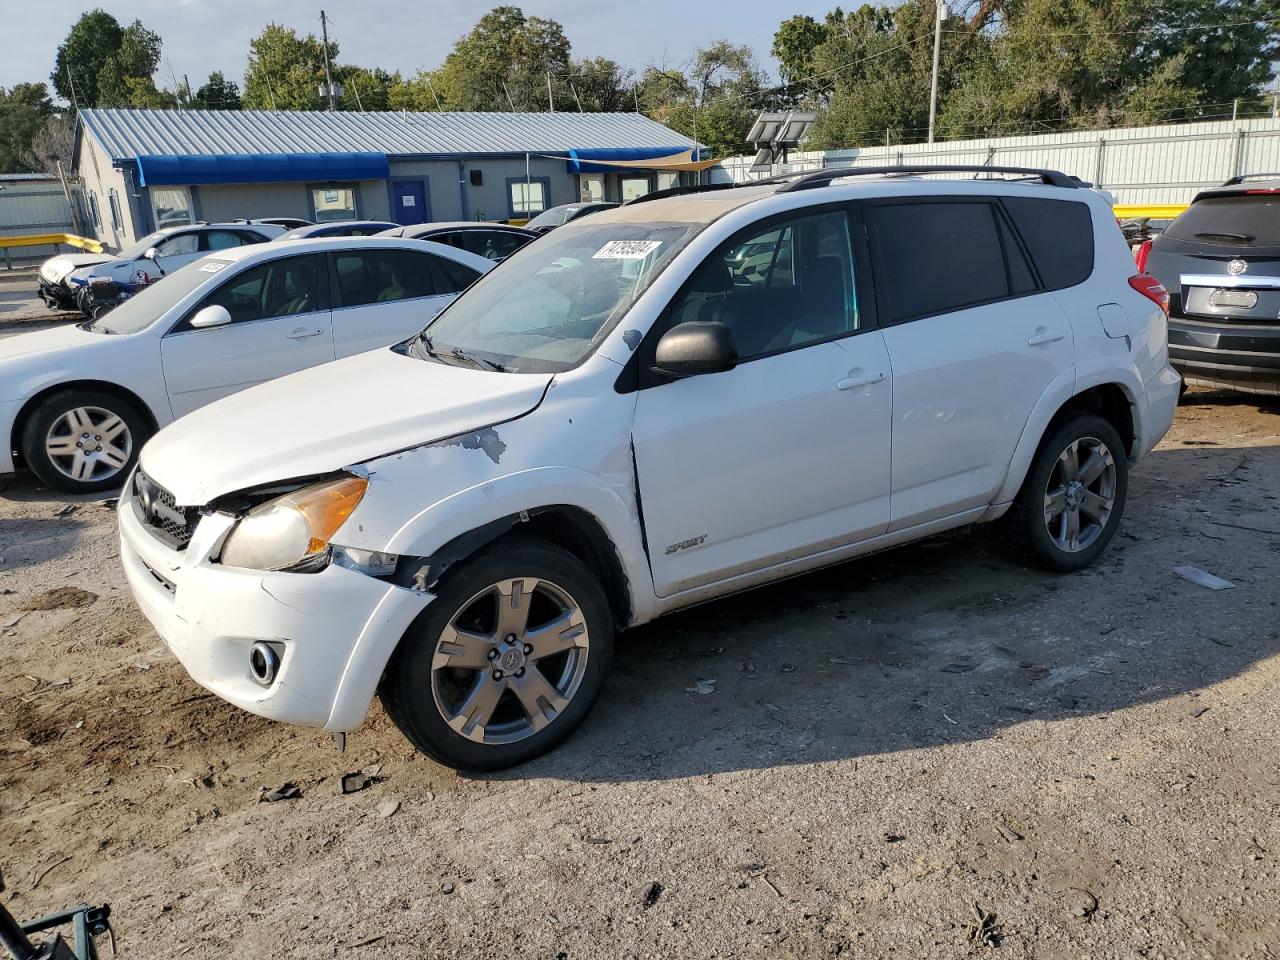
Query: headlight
[{"x": 293, "y": 532}]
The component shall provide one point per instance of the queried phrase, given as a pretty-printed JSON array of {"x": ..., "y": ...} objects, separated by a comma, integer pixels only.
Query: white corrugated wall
[{"x": 1139, "y": 165}]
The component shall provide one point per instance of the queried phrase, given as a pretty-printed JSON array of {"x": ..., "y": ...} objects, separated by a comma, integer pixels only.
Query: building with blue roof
[{"x": 147, "y": 169}]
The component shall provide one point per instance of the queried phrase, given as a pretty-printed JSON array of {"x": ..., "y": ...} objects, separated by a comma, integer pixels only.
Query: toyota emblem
[{"x": 1237, "y": 267}]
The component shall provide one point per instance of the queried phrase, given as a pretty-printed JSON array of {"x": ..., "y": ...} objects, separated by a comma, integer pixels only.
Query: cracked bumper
[{"x": 332, "y": 626}]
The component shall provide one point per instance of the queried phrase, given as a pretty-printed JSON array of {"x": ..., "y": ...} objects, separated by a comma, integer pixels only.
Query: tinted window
[
  {"x": 279, "y": 288},
  {"x": 1059, "y": 236},
  {"x": 778, "y": 289},
  {"x": 936, "y": 257},
  {"x": 224, "y": 239},
  {"x": 1236, "y": 221},
  {"x": 381, "y": 276},
  {"x": 452, "y": 277},
  {"x": 494, "y": 244},
  {"x": 1021, "y": 279}
]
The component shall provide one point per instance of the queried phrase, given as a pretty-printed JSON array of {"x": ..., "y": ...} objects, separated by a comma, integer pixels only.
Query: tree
[
  {"x": 24, "y": 110},
  {"x": 286, "y": 72},
  {"x": 596, "y": 85},
  {"x": 52, "y": 142},
  {"x": 365, "y": 89},
  {"x": 714, "y": 101},
  {"x": 217, "y": 93},
  {"x": 793, "y": 47},
  {"x": 503, "y": 63},
  {"x": 102, "y": 64}
]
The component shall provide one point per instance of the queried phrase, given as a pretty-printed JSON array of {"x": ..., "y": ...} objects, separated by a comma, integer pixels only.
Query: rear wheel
[
  {"x": 83, "y": 441},
  {"x": 1073, "y": 497},
  {"x": 505, "y": 662}
]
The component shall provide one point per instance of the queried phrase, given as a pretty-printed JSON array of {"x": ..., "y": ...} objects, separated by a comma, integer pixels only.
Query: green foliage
[
  {"x": 286, "y": 71},
  {"x": 101, "y": 64},
  {"x": 24, "y": 110},
  {"x": 503, "y": 63},
  {"x": 218, "y": 93},
  {"x": 715, "y": 101}
]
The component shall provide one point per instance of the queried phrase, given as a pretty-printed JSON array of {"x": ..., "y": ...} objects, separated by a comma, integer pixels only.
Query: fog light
[{"x": 264, "y": 663}]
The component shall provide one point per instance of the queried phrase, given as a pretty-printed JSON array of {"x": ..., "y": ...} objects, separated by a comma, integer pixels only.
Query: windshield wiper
[
  {"x": 477, "y": 360},
  {"x": 1215, "y": 235}
]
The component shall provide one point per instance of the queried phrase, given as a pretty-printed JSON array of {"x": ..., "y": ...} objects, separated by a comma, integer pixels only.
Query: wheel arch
[{"x": 106, "y": 386}]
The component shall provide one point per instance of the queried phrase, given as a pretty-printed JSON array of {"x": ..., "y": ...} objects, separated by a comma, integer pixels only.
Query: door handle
[
  {"x": 302, "y": 333},
  {"x": 863, "y": 380},
  {"x": 1043, "y": 337}
]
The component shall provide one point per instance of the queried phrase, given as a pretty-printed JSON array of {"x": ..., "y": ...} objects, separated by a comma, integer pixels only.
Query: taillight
[
  {"x": 1152, "y": 289},
  {"x": 1144, "y": 251}
]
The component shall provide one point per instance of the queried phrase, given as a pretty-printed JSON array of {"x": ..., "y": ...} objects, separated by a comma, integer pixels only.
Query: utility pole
[
  {"x": 551, "y": 97},
  {"x": 937, "y": 50},
  {"x": 328, "y": 71}
]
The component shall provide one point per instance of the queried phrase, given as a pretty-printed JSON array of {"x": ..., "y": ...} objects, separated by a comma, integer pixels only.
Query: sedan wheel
[{"x": 89, "y": 444}]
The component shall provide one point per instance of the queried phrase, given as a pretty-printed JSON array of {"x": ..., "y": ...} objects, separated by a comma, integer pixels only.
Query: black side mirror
[{"x": 695, "y": 347}]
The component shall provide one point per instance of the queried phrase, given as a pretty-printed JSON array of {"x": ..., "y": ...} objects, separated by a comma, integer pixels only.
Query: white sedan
[{"x": 78, "y": 402}]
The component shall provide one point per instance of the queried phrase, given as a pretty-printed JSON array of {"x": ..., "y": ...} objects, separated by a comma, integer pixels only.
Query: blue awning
[
  {"x": 611, "y": 159},
  {"x": 161, "y": 169}
]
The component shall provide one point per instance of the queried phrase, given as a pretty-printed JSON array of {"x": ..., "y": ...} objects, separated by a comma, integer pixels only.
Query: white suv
[{"x": 648, "y": 408}]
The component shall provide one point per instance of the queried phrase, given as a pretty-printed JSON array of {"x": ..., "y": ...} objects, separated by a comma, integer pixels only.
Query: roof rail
[
  {"x": 681, "y": 191},
  {"x": 820, "y": 178},
  {"x": 1251, "y": 176}
]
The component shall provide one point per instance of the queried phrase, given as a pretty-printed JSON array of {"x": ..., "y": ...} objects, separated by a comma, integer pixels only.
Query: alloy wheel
[
  {"x": 88, "y": 444},
  {"x": 1080, "y": 494},
  {"x": 510, "y": 660}
]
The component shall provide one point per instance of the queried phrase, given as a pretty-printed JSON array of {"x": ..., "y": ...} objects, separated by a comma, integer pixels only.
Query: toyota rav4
[{"x": 620, "y": 421}]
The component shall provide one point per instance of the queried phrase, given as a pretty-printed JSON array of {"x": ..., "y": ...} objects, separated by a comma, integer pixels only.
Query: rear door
[
  {"x": 385, "y": 295},
  {"x": 279, "y": 324},
  {"x": 973, "y": 341}
]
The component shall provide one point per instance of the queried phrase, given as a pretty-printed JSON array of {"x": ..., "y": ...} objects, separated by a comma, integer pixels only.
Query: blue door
[{"x": 409, "y": 198}]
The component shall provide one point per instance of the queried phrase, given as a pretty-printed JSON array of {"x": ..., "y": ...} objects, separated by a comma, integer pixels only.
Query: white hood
[
  {"x": 329, "y": 417},
  {"x": 56, "y": 268}
]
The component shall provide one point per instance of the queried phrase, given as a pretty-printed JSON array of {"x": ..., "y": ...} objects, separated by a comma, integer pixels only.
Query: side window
[
  {"x": 278, "y": 288},
  {"x": 223, "y": 239},
  {"x": 383, "y": 276},
  {"x": 451, "y": 276},
  {"x": 1059, "y": 236},
  {"x": 494, "y": 244},
  {"x": 177, "y": 246},
  {"x": 936, "y": 257},
  {"x": 778, "y": 289}
]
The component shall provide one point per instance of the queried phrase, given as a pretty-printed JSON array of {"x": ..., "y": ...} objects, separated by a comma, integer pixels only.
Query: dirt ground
[{"x": 887, "y": 746}]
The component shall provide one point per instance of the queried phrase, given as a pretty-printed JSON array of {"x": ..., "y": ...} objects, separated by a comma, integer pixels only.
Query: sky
[{"x": 204, "y": 35}]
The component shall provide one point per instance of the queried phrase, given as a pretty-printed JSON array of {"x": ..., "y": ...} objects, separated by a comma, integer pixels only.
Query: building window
[
  {"x": 668, "y": 180},
  {"x": 528, "y": 197},
  {"x": 171, "y": 206},
  {"x": 93, "y": 209},
  {"x": 633, "y": 187},
  {"x": 113, "y": 201},
  {"x": 591, "y": 186},
  {"x": 331, "y": 202}
]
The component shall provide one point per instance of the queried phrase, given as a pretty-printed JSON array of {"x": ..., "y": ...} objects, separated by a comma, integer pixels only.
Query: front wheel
[
  {"x": 83, "y": 441},
  {"x": 1073, "y": 497},
  {"x": 505, "y": 662}
]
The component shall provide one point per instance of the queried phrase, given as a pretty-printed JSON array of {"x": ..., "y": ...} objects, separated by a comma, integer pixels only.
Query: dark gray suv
[{"x": 1220, "y": 262}]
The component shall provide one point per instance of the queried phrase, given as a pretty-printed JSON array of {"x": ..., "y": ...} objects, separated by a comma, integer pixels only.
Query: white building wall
[{"x": 1139, "y": 165}]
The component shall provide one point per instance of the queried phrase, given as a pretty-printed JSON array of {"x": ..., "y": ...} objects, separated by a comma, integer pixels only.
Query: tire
[
  {"x": 475, "y": 716},
  {"x": 60, "y": 417},
  {"x": 1099, "y": 499}
]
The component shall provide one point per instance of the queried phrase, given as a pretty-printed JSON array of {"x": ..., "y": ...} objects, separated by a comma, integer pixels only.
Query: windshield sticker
[
  {"x": 626, "y": 250},
  {"x": 213, "y": 267}
]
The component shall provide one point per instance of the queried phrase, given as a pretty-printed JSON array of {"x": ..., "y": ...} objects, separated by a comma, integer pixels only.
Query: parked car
[
  {"x": 78, "y": 402},
  {"x": 339, "y": 228},
  {"x": 613, "y": 426},
  {"x": 1220, "y": 261},
  {"x": 558, "y": 216},
  {"x": 493, "y": 241},
  {"x": 289, "y": 223},
  {"x": 66, "y": 280}
]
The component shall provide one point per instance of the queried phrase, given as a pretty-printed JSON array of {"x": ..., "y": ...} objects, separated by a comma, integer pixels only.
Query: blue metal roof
[{"x": 128, "y": 134}]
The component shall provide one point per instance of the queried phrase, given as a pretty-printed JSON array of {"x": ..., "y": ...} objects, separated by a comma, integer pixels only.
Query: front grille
[{"x": 159, "y": 512}]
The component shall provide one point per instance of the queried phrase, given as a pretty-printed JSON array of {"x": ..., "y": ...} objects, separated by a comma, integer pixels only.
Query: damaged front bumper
[
  {"x": 56, "y": 296},
  {"x": 323, "y": 625}
]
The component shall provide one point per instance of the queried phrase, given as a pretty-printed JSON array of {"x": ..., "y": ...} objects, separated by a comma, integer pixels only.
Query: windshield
[
  {"x": 548, "y": 306},
  {"x": 549, "y": 218},
  {"x": 148, "y": 304},
  {"x": 136, "y": 251}
]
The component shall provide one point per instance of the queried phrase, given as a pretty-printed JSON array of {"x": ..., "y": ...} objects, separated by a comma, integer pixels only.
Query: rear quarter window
[
  {"x": 1250, "y": 221},
  {"x": 1058, "y": 235}
]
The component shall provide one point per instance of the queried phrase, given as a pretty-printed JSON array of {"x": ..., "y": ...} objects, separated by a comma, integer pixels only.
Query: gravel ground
[
  {"x": 21, "y": 307},
  {"x": 888, "y": 746}
]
